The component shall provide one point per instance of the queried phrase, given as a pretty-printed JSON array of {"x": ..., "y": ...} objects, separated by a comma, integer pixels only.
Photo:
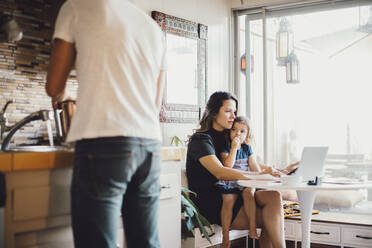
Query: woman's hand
[
  {"x": 276, "y": 173},
  {"x": 290, "y": 168},
  {"x": 266, "y": 170},
  {"x": 271, "y": 171}
]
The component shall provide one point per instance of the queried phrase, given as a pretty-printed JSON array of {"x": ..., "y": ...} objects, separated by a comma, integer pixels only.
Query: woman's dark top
[{"x": 200, "y": 180}]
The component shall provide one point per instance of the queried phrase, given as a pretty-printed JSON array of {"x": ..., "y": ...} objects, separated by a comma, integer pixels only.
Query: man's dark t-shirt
[{"x": 200, "y": 180}]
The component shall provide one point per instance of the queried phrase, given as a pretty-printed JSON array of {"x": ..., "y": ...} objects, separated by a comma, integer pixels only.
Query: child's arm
[
  {"x": 228, "y": 160},
  {"x": 253, "y": 165}
]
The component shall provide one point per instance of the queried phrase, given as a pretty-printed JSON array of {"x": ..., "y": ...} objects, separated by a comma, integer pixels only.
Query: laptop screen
[{"x": 312, "y": 162}]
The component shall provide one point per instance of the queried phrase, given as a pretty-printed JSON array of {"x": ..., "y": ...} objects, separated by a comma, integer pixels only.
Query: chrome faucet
[
  {"x": 38, "y": 115},
  {"x": 4, "y": 126}
]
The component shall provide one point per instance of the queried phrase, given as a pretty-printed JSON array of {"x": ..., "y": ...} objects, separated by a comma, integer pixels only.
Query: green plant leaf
[
  {"x": 192, "y": 218},
  {"x": 186, "y": 190},
  {"x": 176, "y": 140},
  {"x": 203, "y": 231}
]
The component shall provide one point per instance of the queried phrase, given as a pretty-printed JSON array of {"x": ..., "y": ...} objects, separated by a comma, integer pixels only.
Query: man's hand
[{"x": 56, "y": 99}]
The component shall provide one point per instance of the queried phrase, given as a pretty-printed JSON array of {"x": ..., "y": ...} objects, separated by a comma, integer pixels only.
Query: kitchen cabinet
[
  {"x": 334, "y": 230},
  {"x": 37, "y": 210}
]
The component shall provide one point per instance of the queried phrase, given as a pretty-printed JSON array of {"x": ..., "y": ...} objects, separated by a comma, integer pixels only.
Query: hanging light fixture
[
  {"x": 292, "y": 69},
  {"x": 284, "y": 41},
  {"x": 244, "y": 63}
]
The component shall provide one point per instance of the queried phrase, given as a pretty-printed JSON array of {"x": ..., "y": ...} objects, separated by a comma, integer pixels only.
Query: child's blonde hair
[{"x": 244, "y": 120}]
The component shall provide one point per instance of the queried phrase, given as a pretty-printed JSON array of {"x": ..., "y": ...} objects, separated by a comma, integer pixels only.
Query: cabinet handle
[
  {"x": 363, "y": 237},
  {"x": 210, "y": 235},
  {"x": 168, "y": 186},
  {"x": 326, "y": 233}
]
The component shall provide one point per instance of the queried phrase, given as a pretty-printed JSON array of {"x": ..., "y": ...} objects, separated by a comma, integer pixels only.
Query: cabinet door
[
  {"x": 290, "y": 230},
  {"x": 170, "y": 211},
  {"x": 31, "y": 203},
  {"x": 322, "y": 233},
  {"x": 357, "y": 236}
]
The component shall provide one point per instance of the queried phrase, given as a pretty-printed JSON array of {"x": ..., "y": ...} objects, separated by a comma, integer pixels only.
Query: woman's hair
[
  {"x": 212, "y": 108},
  {"x": 245, "y": 121}
]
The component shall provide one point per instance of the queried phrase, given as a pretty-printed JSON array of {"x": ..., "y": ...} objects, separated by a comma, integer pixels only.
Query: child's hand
[{"x": 235, "y": 143}]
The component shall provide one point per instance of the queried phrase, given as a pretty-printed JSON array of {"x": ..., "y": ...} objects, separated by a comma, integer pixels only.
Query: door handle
[
  {"x": 363, "y": 237},
  {"x": 168, "y": 186},
  {"x": 322, "y": 233}
]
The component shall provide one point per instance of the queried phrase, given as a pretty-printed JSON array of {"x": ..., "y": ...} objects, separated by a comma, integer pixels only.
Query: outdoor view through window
[{"x": 330, "y": 105}]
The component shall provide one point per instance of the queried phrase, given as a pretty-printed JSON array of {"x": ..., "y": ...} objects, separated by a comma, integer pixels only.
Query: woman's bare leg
[
  {"x": 250, "y": 210},
  {"x": 269, "y": 216},
  {"x": 226, "y": 216},
  {"x": 264, "y": 239},
  {"x": 272, "y": 215},
  {"x": 241, "y": 222}
]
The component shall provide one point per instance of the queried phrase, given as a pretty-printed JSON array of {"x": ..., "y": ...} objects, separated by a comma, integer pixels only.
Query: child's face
[{"x": 239, "y": 130}]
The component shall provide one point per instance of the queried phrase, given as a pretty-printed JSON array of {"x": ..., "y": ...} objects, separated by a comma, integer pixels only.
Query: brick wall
[{"x": 23, "y": 65}]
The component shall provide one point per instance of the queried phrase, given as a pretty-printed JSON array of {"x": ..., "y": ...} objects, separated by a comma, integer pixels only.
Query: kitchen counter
[
  {"x": 37, "y": 206},
  {"x": 35, "y": 160},
  {"x": 20, "y": 161}
]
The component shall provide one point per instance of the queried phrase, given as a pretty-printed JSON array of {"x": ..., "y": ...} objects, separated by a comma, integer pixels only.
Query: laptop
[{"x": 312, "y": 162}]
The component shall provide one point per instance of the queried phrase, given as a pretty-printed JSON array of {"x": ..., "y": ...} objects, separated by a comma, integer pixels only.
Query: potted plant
[
  {"x": 176, "y": 141},
  {"x": 191, "y": 218}
]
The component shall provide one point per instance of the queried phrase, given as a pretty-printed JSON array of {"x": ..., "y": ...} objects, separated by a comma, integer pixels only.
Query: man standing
[{"x": 120, "y": 62}]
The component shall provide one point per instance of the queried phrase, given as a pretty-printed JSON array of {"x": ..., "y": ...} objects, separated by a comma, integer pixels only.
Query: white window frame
[{"x": 261, "y": 12}]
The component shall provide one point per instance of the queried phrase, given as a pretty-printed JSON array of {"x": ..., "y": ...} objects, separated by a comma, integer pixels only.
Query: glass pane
[
  {"x": 182, "y": 86},
  {"x": 331, "y": 104},
  {"x": 255, "y": 74}
]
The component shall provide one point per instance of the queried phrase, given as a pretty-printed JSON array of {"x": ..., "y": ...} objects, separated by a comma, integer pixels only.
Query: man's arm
[
  {"x": 160, "y": 88},
  {"x": 61, "y": 62}
]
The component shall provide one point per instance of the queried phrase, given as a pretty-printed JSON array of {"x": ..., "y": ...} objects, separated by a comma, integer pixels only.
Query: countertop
[{"x": 20, "y": 161}]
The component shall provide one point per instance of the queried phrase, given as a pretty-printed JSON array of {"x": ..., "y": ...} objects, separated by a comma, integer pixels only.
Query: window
[{"x": 330, "y": 105}]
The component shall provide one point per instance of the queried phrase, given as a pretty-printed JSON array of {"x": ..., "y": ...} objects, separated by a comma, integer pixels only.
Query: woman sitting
[{"x": 204, "y": 169}]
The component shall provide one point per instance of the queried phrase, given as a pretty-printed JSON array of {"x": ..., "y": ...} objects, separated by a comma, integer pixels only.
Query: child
[{"x": 239, "y": 156}]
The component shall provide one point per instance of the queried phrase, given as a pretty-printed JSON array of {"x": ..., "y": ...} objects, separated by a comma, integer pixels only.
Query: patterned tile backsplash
[{"x": 23, "y": 64}]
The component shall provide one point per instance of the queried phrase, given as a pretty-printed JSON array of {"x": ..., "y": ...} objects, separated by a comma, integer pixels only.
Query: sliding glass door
[{"x": 305, "y": 76}]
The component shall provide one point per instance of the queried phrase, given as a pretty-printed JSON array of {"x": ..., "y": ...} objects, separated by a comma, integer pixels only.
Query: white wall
[{"x": 216, "y": 15}]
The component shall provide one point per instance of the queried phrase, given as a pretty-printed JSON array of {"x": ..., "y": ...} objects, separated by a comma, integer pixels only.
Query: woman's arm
[
  {"x": 290, "y": 168},
  {"x": 215, "y": 167}
]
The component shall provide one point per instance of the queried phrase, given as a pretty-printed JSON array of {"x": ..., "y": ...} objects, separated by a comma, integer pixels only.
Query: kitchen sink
[{"x": 36, "y": 148}]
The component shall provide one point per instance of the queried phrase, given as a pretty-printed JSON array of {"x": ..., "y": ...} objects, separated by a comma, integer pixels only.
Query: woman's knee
[
  {"x": 268, "y": 197},
  {"x": 275, "y": 195}
]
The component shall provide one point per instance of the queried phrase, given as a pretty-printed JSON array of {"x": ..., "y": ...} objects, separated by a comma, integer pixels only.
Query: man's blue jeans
[{"x": 115, "y": 176}]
